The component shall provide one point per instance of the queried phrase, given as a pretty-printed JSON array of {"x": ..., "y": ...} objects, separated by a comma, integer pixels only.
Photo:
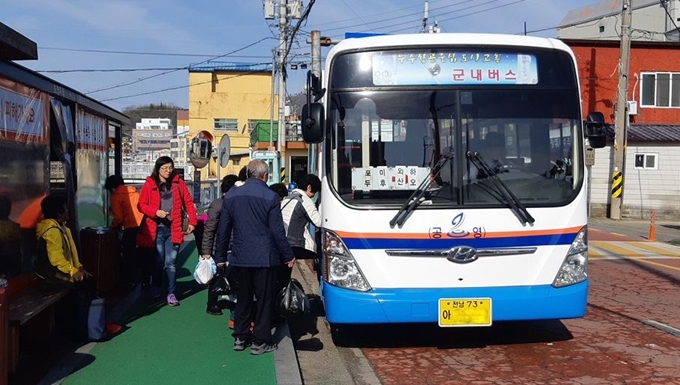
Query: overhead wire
[{"x": 174, "y": 70}]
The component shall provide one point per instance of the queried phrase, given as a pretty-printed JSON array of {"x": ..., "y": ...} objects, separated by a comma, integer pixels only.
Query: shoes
[
  {"x": 172, "y": 300},
  {"x": 112, "y": 328},
  {"x": 240, "y": 345},
  {"x": 258, "y": 349},
  {"x": 214, "y": 310},
  {"x": 155, "y": 292},
  {"x": 231, "y": 325}
]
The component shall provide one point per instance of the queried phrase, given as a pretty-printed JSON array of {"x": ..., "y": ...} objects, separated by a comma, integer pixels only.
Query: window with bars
[
  {"x": 225, "y": 124},
  {"x": 660, "y": 89},
  {"x": 646, "y": 161}
]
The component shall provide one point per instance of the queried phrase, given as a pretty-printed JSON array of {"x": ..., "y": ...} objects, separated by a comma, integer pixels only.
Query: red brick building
[
  {"x": 654, "y": 79},
  {"x": 651, "y": 170}
]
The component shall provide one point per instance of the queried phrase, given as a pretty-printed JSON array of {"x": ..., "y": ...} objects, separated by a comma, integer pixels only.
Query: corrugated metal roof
[
  {"x": 599, "y": 10},
  {"x": 212, "y": 66},
  {"x": 654, "y": 133},
  {"x": 648, "y": 133}
]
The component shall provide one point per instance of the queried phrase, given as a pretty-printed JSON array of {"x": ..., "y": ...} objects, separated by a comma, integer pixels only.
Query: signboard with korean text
[
  {"x": 408, "y": 68},
  {"x": 388, "y": 178}
]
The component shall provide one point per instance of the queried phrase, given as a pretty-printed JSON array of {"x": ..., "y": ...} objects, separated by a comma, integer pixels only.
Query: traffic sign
[{"x": 223, "y": 150}]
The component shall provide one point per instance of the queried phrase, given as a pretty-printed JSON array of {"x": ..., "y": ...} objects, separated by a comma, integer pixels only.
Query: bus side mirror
[
  {"x": 313, "y": 123},
  {"x": 595, "y": 130}
]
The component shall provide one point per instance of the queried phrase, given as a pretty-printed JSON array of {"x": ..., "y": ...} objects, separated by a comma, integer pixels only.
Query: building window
[
  {"x": 646, "y": 161},
  {"x": 236, "y": 161},
  {"x": 226, "y": 124},
  {"x": 660, "y": 89}
]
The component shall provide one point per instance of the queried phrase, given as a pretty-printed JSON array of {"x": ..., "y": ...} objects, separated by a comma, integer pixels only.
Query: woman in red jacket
[{"x": 162, "y": 199}]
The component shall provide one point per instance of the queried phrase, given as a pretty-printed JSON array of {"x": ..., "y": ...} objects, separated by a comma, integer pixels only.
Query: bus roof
[{"x": 473, "y": 39}]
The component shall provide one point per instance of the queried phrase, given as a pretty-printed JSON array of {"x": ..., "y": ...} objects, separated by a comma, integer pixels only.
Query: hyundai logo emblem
[{"x": 462, "y": 254}]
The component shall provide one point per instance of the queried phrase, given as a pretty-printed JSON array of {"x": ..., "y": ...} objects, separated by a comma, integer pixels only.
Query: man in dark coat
[
  {"x": 208, "y": 241},
  {"x": 251, "y": 219}
]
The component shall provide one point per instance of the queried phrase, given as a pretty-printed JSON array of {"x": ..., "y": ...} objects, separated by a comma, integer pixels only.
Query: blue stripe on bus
[
  {"x": 400, "y": 305},
  {"x": 391, "y": 243}
]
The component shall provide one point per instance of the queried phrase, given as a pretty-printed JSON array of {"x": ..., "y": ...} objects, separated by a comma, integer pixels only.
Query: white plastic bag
[{"x": 205, "y": 270}]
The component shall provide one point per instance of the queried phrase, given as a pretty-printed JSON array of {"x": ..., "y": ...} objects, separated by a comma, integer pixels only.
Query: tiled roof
[{"x": 212, "y": 66}]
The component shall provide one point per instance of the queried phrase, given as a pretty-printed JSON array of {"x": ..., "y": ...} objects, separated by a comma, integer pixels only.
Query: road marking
[
  {"x": 637, "y": 249},
  {"x": 658, "y": 250},
  {"x": 614, "y": 250}
]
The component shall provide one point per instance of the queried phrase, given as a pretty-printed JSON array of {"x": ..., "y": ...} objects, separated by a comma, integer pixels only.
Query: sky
[{"x": 127, "y": 53}]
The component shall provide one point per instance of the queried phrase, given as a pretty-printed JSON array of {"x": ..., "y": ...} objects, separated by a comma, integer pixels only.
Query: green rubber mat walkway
[{"x": 180, "y": 345}]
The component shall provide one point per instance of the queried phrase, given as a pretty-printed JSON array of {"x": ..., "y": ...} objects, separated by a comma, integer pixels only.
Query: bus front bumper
[{"x": 421, "y": 305}]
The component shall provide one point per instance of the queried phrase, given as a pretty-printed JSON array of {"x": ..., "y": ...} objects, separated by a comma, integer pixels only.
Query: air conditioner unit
[{"x": 632, "y": 107}]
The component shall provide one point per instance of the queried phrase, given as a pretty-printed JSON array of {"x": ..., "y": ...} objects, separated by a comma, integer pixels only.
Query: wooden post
[{"x": 652, "y": 227}]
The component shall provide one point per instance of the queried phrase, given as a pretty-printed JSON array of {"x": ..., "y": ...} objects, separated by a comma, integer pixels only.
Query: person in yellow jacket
[
  {"x": 60, "y": 246},
  {"x": 126, "y": 217},
  {"x": 57, "y": 261}
]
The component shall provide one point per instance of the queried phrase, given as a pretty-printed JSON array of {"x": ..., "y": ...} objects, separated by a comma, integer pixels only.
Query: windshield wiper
[
  {"x": 514, "y": 203},
  {"x": 414, "y": 200}
]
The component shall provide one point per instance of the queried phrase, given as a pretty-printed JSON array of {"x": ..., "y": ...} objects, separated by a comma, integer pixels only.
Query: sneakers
[
  {"x": 214, "y": 310},
  {"x": 263, "y": 348},
  {"x": 231, "y": 325},
  {"x": 112, "y": 328},
  {"x": 240, "y": 345},
  {"x": 172, "y": 300},
  {"x": 155, "y": 292}
]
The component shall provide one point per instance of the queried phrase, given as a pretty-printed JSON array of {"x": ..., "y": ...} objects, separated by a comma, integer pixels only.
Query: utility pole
[
  {"x": 271, "y": 106},
  {"x": 283, "y": 37},
  {"x": 316, "y": 71},
  {"x": 621, "y": 129},
  {"x": 287, "y": 9}
]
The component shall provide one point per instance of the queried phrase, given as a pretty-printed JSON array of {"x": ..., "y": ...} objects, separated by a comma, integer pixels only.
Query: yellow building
[
  {"x": 227, "y": 98},
  {"x": 235, "y": 99}
]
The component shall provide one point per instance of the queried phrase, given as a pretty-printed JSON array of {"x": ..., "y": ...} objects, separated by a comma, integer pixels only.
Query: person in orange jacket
[{"x": 126, "y": 217}]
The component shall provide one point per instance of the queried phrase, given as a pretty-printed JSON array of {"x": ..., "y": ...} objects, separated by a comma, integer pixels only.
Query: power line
[
  {"x": 172, "y": 88},
  {"x": 140, "y": 53},
  {"x": 174, "y": 70},
  {"x": 112, "y": 70}
]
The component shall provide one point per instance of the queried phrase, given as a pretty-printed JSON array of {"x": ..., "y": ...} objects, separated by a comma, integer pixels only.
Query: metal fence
[{"x": 135, "y": 173}]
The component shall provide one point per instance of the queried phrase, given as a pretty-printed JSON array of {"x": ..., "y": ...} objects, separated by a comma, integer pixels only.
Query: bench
[{"x": 28, "y": 297}]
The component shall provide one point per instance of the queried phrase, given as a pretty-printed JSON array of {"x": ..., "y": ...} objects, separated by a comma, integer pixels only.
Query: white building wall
[{"x": 643, "y": 189}]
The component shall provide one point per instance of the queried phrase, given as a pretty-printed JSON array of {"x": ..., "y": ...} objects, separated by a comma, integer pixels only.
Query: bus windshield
[{"x": 388, "y": 142}]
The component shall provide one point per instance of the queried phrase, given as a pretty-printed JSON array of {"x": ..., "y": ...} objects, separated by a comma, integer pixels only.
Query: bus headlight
[
  {"x": 574, "y": 269},
  {"x": 341, "y": 268}
]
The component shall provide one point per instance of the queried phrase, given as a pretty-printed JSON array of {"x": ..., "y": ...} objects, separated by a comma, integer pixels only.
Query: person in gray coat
[
  {"x": 208, "y": 242},
  {"x": 251, "y": 220}
]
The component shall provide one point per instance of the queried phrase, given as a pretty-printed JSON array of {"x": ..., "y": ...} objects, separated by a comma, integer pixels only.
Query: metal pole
[
  {"x": 271, "y": 106},
  {"x": 316, "y": 70},
  {"x": 620, "y": 141},
  {"x": 283, "y": 31}
]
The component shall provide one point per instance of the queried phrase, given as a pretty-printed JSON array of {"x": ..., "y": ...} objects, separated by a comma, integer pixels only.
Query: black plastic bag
[
  {"x": 292, "y": 299},
  {"x": 224, "y": 284}
]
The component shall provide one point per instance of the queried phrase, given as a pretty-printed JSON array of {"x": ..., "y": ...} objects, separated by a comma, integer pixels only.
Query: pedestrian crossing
[{"x": 628, "y": 249}]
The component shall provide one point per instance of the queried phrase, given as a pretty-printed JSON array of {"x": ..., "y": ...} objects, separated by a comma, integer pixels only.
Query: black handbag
[
  {"x": 185, "y": 221},
  {"x": 224, "y": 284},
  {"x": 292, "y": 299}
]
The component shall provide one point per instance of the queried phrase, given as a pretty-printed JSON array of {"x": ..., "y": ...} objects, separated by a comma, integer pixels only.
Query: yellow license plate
[{"x": 464, "y": 312}]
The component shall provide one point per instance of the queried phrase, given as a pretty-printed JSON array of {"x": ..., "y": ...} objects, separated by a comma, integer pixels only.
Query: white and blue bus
[{"x": 454, "y": 186}]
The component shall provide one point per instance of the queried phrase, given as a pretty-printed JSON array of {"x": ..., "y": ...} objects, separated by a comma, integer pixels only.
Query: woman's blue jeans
[{"x": 166, "y": 254}]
